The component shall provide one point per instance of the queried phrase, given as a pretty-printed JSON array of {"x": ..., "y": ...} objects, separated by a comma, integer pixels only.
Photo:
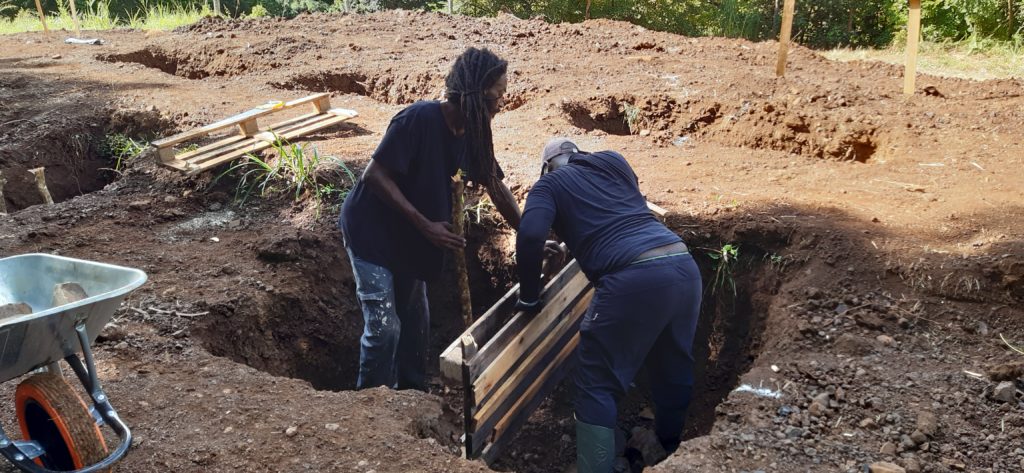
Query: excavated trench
[
  {"x": 833, "y": 132},
  {"x": 76, "y": 160},
  {"x": 310, "y": 330}
]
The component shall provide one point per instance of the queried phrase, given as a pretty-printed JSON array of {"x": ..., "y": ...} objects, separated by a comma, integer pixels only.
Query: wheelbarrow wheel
[{"x": 51, "y": 413}]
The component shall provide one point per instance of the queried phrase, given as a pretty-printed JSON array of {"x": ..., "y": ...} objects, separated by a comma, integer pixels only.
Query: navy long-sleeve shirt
[{"x": 594, "y": 204}]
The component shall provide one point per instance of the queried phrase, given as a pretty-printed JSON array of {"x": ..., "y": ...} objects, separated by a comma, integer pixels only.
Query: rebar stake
[
  {"x": 40, "y": 175},
  {"x": 459, "y": 225},
  {"x": 3, "y": 203}
]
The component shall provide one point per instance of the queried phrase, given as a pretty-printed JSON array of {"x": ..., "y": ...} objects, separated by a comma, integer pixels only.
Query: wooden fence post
[
  {"x": 42, "y": 16},
  {"x": 913, "y": 33},
  {"x": 787, "y": 31},
  {"x": 74, "y": 18}
]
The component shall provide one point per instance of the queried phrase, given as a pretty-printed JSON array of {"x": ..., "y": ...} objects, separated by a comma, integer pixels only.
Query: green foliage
[
  {"x": 259, "y": 11},
  {"x": 725, "y": 261},
  {"x": 819, "y": 23},
  {"x": 121, "y": 149},
  {"x": 822, "y": 24},
  {"x": 958, "y": 20},
  {"x": 291, "y": 171}
]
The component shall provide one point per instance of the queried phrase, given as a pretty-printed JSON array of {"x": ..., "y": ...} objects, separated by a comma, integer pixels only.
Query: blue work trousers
[
  {"x": 644, "y": 313},
  {"x": 396, "y": 327}
]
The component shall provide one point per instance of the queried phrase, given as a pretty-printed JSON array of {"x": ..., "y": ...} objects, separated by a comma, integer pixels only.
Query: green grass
[
  {"x": 291, "y": 170},
  {"x": 972, "y": 59},
  {"x": 121, "y": 149},
  {"x": 96, "y": 16}
]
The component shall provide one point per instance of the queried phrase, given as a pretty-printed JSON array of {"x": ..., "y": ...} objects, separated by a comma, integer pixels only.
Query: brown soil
[{"x": 879, "y": 236}]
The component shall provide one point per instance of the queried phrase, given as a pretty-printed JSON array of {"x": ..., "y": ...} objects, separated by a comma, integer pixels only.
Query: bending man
[{"x": 647, "y": 299}]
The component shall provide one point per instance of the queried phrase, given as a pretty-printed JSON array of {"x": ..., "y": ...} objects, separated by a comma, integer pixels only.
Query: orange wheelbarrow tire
[{"x": 51, "y": 413}]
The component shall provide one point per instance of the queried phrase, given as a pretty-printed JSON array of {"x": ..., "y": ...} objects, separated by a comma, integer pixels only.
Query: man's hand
[
  {"x": 528, "y": 307},
  {"x": 440, "y": 235},
  {"x": 554, "y": 251}
]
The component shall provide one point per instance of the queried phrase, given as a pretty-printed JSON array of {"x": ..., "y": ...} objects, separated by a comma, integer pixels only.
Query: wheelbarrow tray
[{"x": 48, "y": 334}]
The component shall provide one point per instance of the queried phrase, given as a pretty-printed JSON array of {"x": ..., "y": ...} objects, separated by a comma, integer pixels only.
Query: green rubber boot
[{"x": 595, "y": 448}]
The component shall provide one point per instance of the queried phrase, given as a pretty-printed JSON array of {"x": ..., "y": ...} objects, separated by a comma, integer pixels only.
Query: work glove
[{"x": 528, "y": 307}]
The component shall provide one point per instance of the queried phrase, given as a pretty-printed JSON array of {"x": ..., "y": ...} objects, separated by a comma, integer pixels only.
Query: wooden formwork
[
  {"x": 508, "y": 361},
  {"x": 251, "y": 137}
]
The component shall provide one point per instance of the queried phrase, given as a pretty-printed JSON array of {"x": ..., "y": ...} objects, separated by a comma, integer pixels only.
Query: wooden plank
[
  {"x": 525, "y": 340},
  {"x": 237, "y": 142},
  {"x": 913, "y": 34},
  {"x": 468, "y": 349},
  {"x": 508, "y": 332},
  {"x": 784, "y": 36},
  {"x": 485, "y": 326},
  {"x": 266, "y": 109},
  {"x": 248, "y": 127},
  {"x": 535, "y": 395},
  {"x": 656, "y": 209},
  {"x": 42, "y": 16},
  {"x": 322, "y": 104},
  {"x": 451, "y": 357},
  {"x": 482, "y": 426},
  {"x": 249, "y": 143},
  {"x": 258, "y": 146},
  {"x": 569, "y": 319}
]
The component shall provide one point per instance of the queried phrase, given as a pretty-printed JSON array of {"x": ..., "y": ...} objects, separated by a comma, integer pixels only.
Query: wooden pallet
[
  {"x": 250, "y": 138},
  {"x": 507, "y": 362}
]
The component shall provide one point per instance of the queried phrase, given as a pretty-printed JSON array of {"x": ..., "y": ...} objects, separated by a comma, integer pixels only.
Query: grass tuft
[
  {"x": 291, "y": 170},
  {"x": 97, "y": 16},
  {"x": 121, "y": 149},
  {"x": 971, "y": 59}
]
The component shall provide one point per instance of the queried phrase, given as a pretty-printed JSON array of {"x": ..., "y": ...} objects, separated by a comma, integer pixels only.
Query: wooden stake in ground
[
  {"x": 40, "y": 175},
  {"x": 787, "y": 30},
  {"x": 3, "y": 203},
  {"x": 74, "y": 18},
  {"x": 42, "y": 16},
  {"x": 459, "y": 224},
  {"x": 913, "y": 33}
]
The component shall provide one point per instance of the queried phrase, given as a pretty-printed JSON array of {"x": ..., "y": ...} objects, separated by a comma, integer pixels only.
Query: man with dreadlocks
[{"x": 396, "y": 219}]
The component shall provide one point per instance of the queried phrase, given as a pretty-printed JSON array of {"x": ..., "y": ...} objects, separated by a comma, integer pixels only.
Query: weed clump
[{"x": 292, "y": 169}]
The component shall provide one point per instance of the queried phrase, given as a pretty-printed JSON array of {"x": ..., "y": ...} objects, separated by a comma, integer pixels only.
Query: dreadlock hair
[{"x": 475, "y": 71}]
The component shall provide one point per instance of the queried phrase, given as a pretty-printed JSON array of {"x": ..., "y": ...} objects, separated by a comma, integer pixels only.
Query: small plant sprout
[
  {"x": 776, "y": 261},
  {"x": 483, "y": 208},
  {"x": 725, "y": 260},
  {"x": 632, "y": 116},
  {"x": 121, "y": 149}
]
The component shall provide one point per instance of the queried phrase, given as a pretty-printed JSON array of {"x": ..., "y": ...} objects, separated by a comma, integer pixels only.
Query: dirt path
[{"x": 880, "y": 248}]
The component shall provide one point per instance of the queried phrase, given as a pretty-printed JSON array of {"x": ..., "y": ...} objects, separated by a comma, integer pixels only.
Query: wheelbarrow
[{"x": 60, "y": 431}]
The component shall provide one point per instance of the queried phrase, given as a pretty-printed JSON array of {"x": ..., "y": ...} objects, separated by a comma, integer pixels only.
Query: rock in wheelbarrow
[
  {"x": 67, "y": 293},
  {"x": 14, "y": 310}
]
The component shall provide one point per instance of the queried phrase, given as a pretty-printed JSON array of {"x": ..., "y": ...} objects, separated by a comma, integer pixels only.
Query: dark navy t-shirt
[
  {"x": 423, "y": 155},
  {"x": 594, "y": 204}
]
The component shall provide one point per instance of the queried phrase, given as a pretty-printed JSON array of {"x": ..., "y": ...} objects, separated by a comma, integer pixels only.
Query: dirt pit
[{"x": 879, "y": 250}]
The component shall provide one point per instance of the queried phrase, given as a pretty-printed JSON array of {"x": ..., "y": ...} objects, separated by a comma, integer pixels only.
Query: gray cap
[{"x": 557, "y": 147}]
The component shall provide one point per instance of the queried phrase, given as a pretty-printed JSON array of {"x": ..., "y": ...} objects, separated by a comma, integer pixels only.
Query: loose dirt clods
[{"x": 879, "y": 257}]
